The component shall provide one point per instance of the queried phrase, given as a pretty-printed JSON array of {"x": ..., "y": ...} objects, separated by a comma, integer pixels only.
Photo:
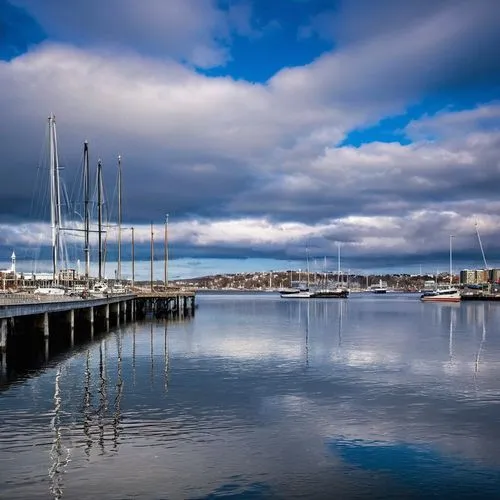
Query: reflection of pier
[
  {"x": 101, "y": 394},
  {"x": 57, "y": 459}
]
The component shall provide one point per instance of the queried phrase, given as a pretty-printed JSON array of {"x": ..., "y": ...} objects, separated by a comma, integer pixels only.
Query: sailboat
[
  {"x": 301, "y": 292},
  {"x": 59, "y": 252},
  {"x": 326, "y": 292},
  {"x": 448, "y": 294},
  {"x": 379, "y": 288},
  {"x": 55, "y": 212}
]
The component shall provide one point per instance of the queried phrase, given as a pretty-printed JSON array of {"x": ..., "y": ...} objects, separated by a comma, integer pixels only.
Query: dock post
[
  {"x": 46, "y": 334},
  {"x": 118, "y": 312},
  {"x": 124, "y": 311},
  {"x": 106, "y": 309},
  {"x": 3, "y": 345},
  {"x": 91, "y": 320},
  {"x": 3, "y": 335},
  {"x": 46, "y": 325},
  {"x": 132, "y": 310},
  {"x": 71, "y": 317}
]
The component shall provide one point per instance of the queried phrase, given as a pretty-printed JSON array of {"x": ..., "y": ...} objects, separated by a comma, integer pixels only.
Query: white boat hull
[
  {"x": 297, "y": 295},
  {"x": 441, "y": 296}
]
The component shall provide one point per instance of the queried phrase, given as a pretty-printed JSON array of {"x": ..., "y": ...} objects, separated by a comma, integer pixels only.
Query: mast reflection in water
[{"x": 260, "y": 397}]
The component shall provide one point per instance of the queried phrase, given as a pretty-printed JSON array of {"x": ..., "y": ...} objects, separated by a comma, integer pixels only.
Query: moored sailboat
[{"x": 448, "y": 294}]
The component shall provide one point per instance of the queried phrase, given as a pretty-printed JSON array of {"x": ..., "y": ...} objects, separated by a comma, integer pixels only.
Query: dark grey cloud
[{"x": 409, "y": 48}]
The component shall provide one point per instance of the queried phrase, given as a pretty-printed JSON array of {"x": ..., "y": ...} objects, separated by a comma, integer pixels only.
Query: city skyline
[{"x": 262, "y": 128}]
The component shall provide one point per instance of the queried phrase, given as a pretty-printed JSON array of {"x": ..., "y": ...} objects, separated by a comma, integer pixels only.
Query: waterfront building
[
  {"x": 482, "y": 276},
  {"x": 495, "y": 275},
  {"x": 468, "y": 277}
]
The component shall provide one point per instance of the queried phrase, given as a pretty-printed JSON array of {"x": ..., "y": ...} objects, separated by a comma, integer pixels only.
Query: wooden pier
[
  {"x": 29, "y": 314},
  {"x": 165, "y": 302}
]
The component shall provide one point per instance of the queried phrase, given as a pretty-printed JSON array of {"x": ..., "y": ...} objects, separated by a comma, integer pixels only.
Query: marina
[{"x": 65, "y": 300}]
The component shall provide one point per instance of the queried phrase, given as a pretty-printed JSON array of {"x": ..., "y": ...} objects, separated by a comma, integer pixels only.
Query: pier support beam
[
  {"x": 3, "y": 345},
  {"x": 118, "y": 312},
  {"x": 106, "y": 309},
  {"x": 91, "y": 321},
  {"x": 46, "y": 335},
  {"x": 71, "y": 321},
  {"x": 3, "y": 335},
  {"x": 46, "y": 325},
  {"x": 91, "y": 315},
  {"x": 125, "y": 311}
]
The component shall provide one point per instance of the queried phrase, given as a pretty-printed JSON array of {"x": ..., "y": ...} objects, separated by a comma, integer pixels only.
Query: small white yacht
[
  {"x": 118, "y": 289},
  {"x": 449, "y": 294},
  {"x": 381, "y": 287},
  {"x": 99, "y": 289},
  {"x": 50, "y": 290},
  {"x": 299, "y": 294}
]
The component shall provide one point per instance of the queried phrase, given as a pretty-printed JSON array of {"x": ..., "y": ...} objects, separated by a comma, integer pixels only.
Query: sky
[{"x": 264, "y": 129}]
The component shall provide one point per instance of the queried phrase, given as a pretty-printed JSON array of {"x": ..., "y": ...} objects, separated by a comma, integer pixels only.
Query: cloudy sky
[{"x": 261, "y": 127}]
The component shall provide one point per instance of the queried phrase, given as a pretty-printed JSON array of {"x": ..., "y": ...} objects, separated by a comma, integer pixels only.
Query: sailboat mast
[
  {"x": 119, "y": 271},
  {"x": 99, "y": 216},
  {"x": 307, "y": 258},
  {"x": 133, "y": 258},
  {"x": 152, "y": 254},
  {"x": 481, "y": 247},
  {"x": 338, "y": 262},
  {"x": 165, "y": 259},
  {"x": 55, "y": 205},
  {"x": 86, "y": 194},
  {"x": 52, "y": 197},
  {"x": 451, "y": 276}
]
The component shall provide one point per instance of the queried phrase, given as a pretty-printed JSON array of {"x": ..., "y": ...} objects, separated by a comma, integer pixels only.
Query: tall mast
[
  {"x": 481, "y": 247},
  {"x": 451, "y": 278},
  {"x": 133, "y": 258},
  {"x": 86, "y": 194},
  {"x": 119, "y": 272},
  {"x": 99, "y": 215},
  {"x": 55, "y": 204},
  {"x": 324, "y": 271},
  {"x": 58, "y": 198},
  {"x": 152, "y": 255},
  {"x": 166, "y": 253},
  {"x": 338, "y": 261},
  {"x": 307, "y": 259}
]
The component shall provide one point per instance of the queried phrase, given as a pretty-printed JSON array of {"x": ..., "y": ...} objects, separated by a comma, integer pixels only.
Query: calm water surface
[{"x": 262, "y": 397}]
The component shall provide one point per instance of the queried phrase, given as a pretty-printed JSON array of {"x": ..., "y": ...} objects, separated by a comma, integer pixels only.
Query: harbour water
[{"x": 376, "y": 396}]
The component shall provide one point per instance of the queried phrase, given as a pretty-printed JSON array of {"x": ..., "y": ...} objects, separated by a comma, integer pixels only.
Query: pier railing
[{"x": 30, "y": 298}]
